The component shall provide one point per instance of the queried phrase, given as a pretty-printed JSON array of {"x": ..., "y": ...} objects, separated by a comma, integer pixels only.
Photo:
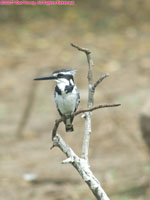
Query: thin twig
[
  {"x": 99, "y": 81},
  {"x": 95, "y": 108},
  {"x": 57, "y": 122},
  {"x": 80, "y": 48}
]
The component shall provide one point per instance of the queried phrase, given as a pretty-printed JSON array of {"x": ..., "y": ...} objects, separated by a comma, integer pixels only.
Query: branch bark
[{"x": 82, "y": 164}]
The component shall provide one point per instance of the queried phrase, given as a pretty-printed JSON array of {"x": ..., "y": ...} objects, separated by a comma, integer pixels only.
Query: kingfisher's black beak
[{"x": 48, "y": 77}]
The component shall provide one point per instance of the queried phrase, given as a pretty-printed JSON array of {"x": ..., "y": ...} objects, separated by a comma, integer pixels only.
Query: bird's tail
[{"x": 68, "y": 125}]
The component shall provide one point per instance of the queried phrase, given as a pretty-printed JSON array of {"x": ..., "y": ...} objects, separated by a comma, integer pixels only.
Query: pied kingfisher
[{"x": 66, "y": 94}]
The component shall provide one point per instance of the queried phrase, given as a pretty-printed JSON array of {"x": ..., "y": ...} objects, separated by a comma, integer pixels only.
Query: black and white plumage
[{"x": 66, "y": 94}]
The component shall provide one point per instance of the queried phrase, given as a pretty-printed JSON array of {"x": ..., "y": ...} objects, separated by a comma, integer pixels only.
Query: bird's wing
[
  {"x": 56, "y": 103},
  {"x": 78, "y": 99}
]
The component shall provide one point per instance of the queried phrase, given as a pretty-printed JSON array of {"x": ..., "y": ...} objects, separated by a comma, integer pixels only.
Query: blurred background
[{"x": 35, "y": 40}]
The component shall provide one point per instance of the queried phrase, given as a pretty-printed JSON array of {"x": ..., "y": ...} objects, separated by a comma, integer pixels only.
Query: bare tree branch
[
  {"x": 87, "y": 132},
  {"x": 99, "y": 81},
  {"x": 90, "y": 80},
  {"x": 87, "y": 51},
  {"x": 95, "y": 108},
  {"x": 81, "y": 164},
  {"x": 57, "y": 122}
]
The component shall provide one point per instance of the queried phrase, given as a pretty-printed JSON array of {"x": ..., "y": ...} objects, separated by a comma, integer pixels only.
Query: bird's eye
[{"x": 60, "y": 75}]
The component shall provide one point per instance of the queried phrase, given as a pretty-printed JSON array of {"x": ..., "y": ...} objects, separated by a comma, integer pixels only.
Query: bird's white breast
[{"x": 66, "y": 102}]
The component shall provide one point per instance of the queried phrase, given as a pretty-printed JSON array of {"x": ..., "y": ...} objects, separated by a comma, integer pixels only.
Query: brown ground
[{"x": 117, "y": 153}]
